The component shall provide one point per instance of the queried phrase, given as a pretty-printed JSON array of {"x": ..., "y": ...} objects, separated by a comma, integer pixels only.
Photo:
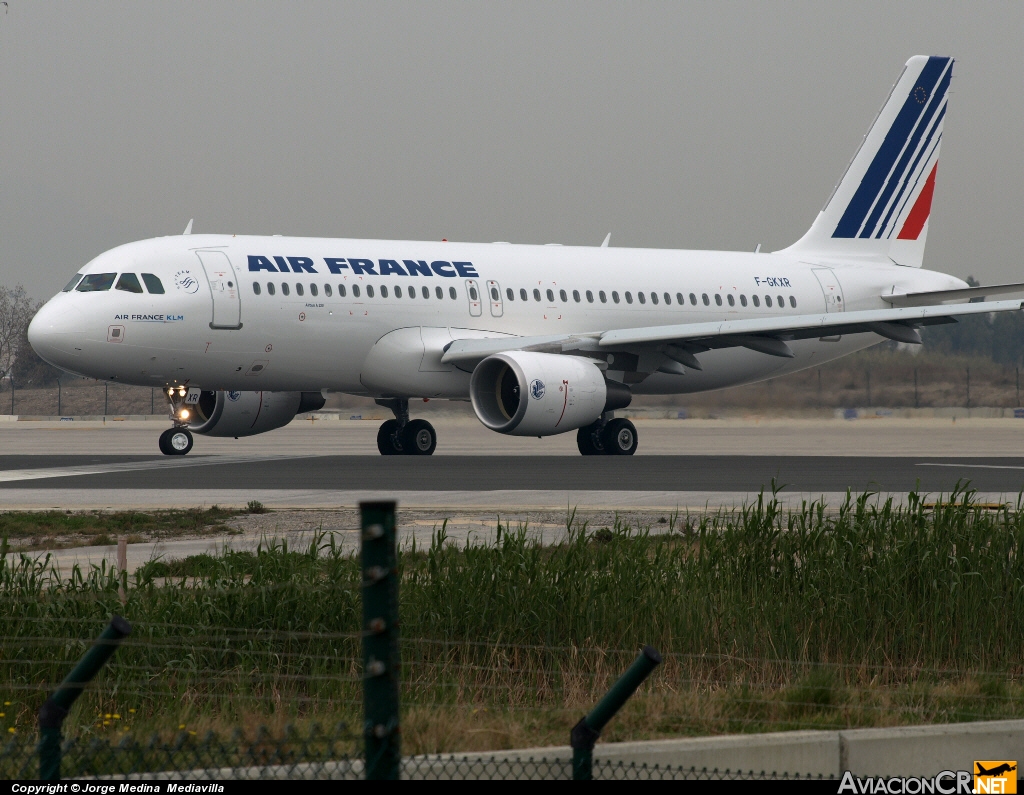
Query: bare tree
[{"x": 16, "y": 312}]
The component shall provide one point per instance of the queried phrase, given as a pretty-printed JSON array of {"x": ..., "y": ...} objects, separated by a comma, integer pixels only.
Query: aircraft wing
[{"x": 768, "y": 334}]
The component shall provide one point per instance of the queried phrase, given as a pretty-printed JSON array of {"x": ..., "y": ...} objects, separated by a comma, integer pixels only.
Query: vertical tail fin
[{"x": 880, "y": 208}]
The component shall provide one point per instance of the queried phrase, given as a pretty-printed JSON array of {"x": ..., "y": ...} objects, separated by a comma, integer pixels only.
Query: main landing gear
[
  {"x": 607, "y": 437},
  {"x": 402, "y": 436}
]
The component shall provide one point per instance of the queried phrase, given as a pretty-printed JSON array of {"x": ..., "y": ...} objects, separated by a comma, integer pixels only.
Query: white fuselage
[{"x": 323, "y": 335}]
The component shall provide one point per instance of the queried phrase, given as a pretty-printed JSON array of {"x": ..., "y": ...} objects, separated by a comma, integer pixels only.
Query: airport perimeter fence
[{"x": 279, "y": 636}]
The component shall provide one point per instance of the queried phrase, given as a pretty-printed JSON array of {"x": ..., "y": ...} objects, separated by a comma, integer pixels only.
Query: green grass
[
  {"x": 872, "y": 614},
  {"x": 32, "y": 529}
]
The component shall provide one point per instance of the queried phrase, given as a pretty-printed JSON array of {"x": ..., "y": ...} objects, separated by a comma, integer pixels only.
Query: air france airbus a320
[{"x": 242, "y": 332}]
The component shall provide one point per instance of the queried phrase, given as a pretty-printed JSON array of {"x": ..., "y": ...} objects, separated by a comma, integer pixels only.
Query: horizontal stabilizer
[{"x": 936, "y": 296}]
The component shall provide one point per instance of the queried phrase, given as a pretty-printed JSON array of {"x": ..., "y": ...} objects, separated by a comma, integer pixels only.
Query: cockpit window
[
  {"x": 96, "y": 282},
  {"x": 71, "y": 284},
  {"x": 153, "y": 284},
  {"x": 129, "y": 282}
]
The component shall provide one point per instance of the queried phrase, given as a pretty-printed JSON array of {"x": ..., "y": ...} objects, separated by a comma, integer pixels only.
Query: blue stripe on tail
[{"x": 874, "y": 181}]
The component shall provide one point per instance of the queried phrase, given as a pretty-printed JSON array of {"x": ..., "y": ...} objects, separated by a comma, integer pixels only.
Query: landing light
[
  {"x": 184, "y": 414},
  {"x": 181, "y": 392}
]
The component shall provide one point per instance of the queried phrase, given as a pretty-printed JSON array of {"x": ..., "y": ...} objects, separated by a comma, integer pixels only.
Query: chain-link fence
[{"x": 315, "y": 755}]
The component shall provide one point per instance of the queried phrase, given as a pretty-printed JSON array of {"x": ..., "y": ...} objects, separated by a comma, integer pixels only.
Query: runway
[{"x": 712, "y": 473}]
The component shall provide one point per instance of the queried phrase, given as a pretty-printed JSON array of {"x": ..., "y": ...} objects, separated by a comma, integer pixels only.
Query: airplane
[{"x": 244, "y": 332}]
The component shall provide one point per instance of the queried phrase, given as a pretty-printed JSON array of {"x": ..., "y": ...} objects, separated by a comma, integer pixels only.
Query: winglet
[
  {"x": 607, "y": 239},
  {"x": 188, "y": 229}
]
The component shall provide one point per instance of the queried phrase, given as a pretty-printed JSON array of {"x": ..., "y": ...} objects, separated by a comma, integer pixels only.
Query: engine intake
[
  {"x": 250, "y": 413},
  {"x": 522, "y": 393}
]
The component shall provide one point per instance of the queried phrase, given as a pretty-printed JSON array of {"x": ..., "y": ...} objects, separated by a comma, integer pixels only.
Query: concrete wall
[{"x": 911, "y": 750}]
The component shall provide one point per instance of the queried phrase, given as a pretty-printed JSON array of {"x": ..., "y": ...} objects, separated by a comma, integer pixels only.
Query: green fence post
[
  {"x": 57, "y": 706},
  {"x": 585, "y": 733},
  {"x": 379, "y": 559}
]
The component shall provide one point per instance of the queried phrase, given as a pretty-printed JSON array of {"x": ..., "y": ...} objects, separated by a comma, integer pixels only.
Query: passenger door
[
  {"x": 227, "y": 308},
  {"x": 473, "y": 294},
  {"x": 494, "y": 293}
]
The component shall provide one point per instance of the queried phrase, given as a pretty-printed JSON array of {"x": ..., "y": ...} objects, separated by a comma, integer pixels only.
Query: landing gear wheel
[
  {"x": 588, "y": 440},
  {"x": 388, "y": 442},
  {"x": 419, "y": 438},
  {"x": 619, "y": 438},
  {"x": 175, "y": 441}
]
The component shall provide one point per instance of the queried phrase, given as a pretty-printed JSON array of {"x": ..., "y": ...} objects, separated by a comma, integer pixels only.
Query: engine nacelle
[
  {"x": 249, "y": 413},
  {"x": 540, "y": 394}
]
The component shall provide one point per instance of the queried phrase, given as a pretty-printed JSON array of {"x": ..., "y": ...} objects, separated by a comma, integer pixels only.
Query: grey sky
[{"x": 707, "y": 125}]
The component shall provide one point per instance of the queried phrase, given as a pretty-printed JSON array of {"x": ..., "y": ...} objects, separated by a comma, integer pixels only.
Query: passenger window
[
  {"x": 425, "y": 292},
  {"x": 96, "y": 282},
  {"x": 313, "y": 290},
  {"x": 668, "y": 299},
  {"x": 563, "y": 296},
  {"x": 439, "y": 292},
  {"x": 629, "y": 297},
  {"x": 341, "y": 291},
  {"x": 551, "y": 297},
  {"x": 642, "y": 297},
  {"x": 782, "y": 302},
  {"x": 472, "y": 293},
  {"x": 411, "y": 291},
  {"x": 153, "y": 284},
  {"x": 615, "y": 296},
  {"x": 355, "y": 290},
  {"x": 522, "y": 293},
  {"x": 718, "y": 299},
  {"x": 600, "y": 294},
  {"x": 768, "y": 301},
  {"x": 590, "y": 297},
  {"x": 510, "y": 294},
  {"x": 452, "y": 293},
  {"x": 495, "y": 296},
  {"x": 270, "y": 288},
  {"x": 743, "y": 300},
  {"x": 369, "y": 291},
  {"x": 756, "y": 300},
  {"x": 654, "y": 298},
  {"x": 256, "y": 288},
  {"x": 732, "y": 301},
  {"x": 536, "y": 294},
  {"x": 792, "y": 301},
  {"x": 693, "y": 299},
  {"x": 74, "y": 280},
  {"x": 705, "y": 299},
  {"x": 576, "y": 296},
  {"x": 284, "y": 288},
  {"x": 383, "y": 291},
  {"x": 298, "y": 289},
  {"x": 327, "y": 290}
]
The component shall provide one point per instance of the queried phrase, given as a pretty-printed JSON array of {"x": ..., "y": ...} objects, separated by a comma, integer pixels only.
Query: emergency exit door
[{"x": 227, "y": 305}]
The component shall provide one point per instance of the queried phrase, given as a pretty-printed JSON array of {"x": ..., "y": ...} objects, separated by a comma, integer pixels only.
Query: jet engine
[
  {"x": 249, "y": 413},
  {"x": 522, "y": 393}
]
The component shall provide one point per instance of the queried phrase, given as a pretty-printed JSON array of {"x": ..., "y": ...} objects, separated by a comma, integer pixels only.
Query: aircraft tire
[
  {"x": 388, "y": 442},
  {"x": 419, "y": 438},
  {"x": 588, "y": 442},
  {"x": 620, "y": 437},
  {"x": 165, "y": 446},
  {"x": 179, "y": 441}
]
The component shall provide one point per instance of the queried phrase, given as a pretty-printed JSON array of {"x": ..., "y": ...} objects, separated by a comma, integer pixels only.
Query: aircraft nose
[{"x": 54, "y": 330}]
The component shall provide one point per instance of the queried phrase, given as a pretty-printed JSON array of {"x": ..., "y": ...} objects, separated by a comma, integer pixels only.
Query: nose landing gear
[
  {"x": 401, "y": 436},
  {"x": 175, "y": 441},
  {"x": 178, "y": 439}
]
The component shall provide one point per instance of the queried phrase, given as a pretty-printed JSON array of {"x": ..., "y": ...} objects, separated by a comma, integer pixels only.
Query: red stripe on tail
[{"x": 922, "y": 209}]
